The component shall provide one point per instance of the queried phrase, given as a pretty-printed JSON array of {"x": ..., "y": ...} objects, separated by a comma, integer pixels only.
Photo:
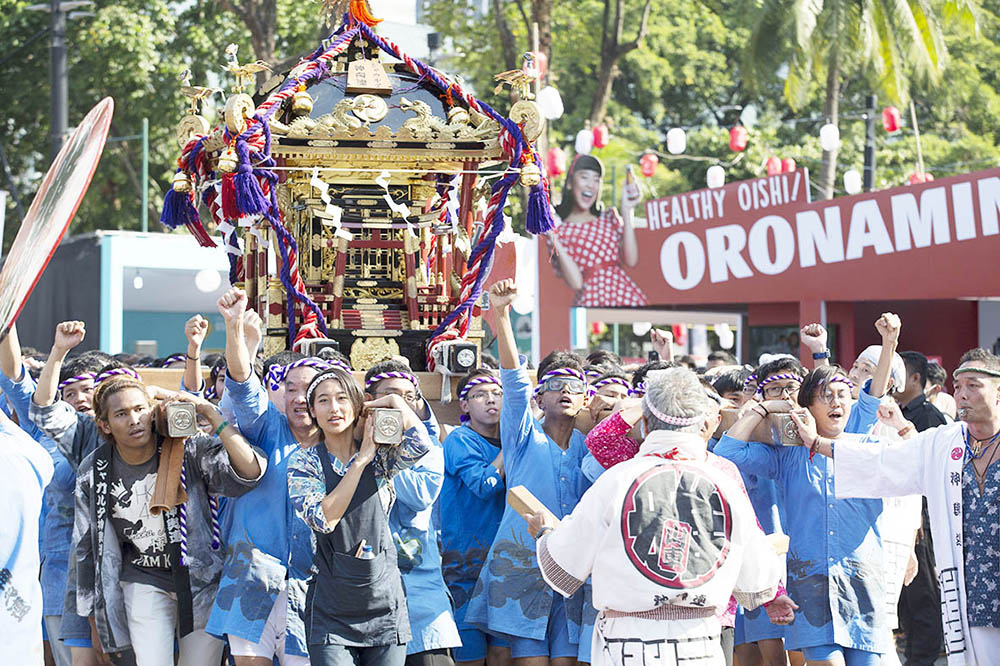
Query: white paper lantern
[
  {"x": 641, "y": 328},
  {"x": 725, "y": 334},
  {"x": 207, "y": 280},
  {"x": 676, "y": 141},
  {"x": 748, "y": 116},
  {"x": 852, "y": 181},
  {"x": 584, "y": 141},
  {"x": 716, "y": 176},
  {"x": 829, "y": 137},
  {"x": 550, "y": 103}
]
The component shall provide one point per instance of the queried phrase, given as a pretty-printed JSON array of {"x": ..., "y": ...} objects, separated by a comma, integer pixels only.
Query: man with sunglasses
[
  {"x": 413, "y": 526},
  {"x": 511, "y": 599},
  {"x": 472, "y": 502},
  {"x": 835, "y": 547}
]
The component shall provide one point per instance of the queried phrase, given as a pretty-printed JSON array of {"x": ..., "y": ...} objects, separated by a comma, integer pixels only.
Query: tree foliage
[{"x": 689, "y": 71}]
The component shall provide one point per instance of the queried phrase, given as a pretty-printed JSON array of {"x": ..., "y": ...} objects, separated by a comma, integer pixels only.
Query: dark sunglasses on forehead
[{"x": 571, "y": 384}]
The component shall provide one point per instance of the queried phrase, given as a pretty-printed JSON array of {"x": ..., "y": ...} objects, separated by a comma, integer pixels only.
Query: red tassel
[{"x": 230, "y": 210}]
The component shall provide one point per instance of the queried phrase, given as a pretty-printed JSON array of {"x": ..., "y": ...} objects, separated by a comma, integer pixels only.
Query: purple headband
[
  {"x": 558, "y": 372},
  {"x": 210, "y": 392},
  {"x": 774, "y": 378},
  {"x": 841, "y": 378},
  {"x": 477, "y": 381},
  {"x": 375, "y": 379},
  {"x": 750, "y": 380},
  {"x": 174, "y": 357},
  {"x": 277, "y": 374},
  {"x": 611, "y": 380},
  {"x": 593, "y": 374},
  {"x": 78, "y": 378},
  {"x": 116, "y": 372},
  {"x": 638, "y": 391},
  {"x": 678, "y": 421}
]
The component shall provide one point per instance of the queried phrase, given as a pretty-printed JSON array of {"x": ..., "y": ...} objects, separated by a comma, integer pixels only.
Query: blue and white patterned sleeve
[
  {"x": 307, "y": 488},
  {"x": 391, "y": 460}
]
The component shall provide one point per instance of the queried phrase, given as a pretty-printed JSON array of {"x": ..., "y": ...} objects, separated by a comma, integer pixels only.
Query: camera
[
  {"x": 178, "y": 420},
  {"x": 388, "y": 426},
  {"x": 457, "y": 357},
  {"x": 315, "y": 346}
]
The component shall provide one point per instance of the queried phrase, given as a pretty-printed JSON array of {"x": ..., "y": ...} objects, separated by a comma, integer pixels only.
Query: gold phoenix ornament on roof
[
  {"x": 194, "y": 93},
  {"x": 244, "y": 73},
  {"x": 519, "y": 79}
]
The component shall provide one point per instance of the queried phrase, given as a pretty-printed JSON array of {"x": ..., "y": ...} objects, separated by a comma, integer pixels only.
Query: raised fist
[
  {"x": 69, "y": 334},
  {"x": 502, "y": 294},
  {"x": 814, "y": 337},
  {"x": 888, "y": 326},
  {"x": 195, "y": 329},
  {"x": 663, "y": 342},
  {"x": 233, "y": 304}
]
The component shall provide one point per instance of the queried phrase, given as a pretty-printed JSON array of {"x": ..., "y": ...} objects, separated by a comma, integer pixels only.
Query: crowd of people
[{"x": 317, "y": 520}]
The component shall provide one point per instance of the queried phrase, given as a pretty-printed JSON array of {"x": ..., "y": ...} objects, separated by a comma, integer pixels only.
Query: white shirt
[
  {"x": 25, "y": 470},
  {"x": 657, "y": 532}
]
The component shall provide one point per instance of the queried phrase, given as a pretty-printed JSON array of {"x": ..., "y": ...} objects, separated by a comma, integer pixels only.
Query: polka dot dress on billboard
[{"x": 594, "y": 246}]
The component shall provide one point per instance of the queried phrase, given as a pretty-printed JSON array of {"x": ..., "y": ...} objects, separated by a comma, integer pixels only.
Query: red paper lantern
[
  {"x": 555, "y": 161},
  {"x": 601, "y": 136},
  {"x": 773, "y": 166},
  {"x": 890, "y": 119},
  {"x": 787, "y": 165},
  {"x": 916, "y": 178},
  {"x": 738, "y": 139},
  {"x": 648, "y": 164}
]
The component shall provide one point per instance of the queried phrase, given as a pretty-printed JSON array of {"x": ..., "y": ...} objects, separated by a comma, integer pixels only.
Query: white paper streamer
[
  {"x": 334, "y": 213},
  {"x": 382, "y": 180}
]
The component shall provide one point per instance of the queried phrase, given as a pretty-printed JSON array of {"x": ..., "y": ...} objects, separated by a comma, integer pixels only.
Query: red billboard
[{"x": 763, "y": 241}]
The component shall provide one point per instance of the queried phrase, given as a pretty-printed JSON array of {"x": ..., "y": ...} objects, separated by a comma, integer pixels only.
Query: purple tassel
[
  {"x": 250, "y": 199},
  {"x": 178, "y": 210},
  {"x": 539, "y": 218}
]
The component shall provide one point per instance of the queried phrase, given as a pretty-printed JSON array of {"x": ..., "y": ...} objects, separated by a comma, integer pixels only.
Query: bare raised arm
[{"x": 68, "y": 335}]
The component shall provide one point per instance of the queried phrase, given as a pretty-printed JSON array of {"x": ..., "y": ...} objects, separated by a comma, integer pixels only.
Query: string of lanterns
[{"x": 589, "y": 138}]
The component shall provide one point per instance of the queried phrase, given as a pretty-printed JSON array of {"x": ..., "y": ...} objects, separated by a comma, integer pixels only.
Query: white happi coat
[
  {"x": 930, "y": 465},
  {"x": 664, "y": 539}
]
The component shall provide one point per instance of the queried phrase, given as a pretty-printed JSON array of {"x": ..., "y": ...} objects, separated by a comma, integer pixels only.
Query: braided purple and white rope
[
  {"x": 78, "y": 378},
  {"x": 213, "y": 503},
  {"x": 638, "y": 391},
  {"x": 778, "y": 377},
  {"x": 558, "y": 372},
  {"x": 277, "y": 374},
  {"x": 477, "y": 381},
  {"x": 375, "y": 379},
  {"x": 593, "y": 374},
  {"x": 750, "y": 380},
  {"x": 210, "y": 392},
  {"x": 173, "y": 358},
  {"x": 182, "y": 517},
  {"x": 115, "y": 372},
  {"x": 842, "y": 379},
  {"x": 678, "y": 421},
  {"x": 610, "y": 380}
]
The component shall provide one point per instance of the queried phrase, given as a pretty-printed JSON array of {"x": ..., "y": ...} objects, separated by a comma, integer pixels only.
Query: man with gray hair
[{"x": 666, "y": 537}]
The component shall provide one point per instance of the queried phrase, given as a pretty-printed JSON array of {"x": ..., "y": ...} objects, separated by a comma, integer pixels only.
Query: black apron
[{"x": 351, "y": 601}]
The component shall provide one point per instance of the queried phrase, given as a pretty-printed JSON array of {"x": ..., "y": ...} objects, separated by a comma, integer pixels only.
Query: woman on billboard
[{"x": 591, "y": 243}]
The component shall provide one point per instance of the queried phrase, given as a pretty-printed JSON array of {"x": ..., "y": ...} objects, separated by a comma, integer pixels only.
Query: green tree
[{"x": 815, "y": 41}]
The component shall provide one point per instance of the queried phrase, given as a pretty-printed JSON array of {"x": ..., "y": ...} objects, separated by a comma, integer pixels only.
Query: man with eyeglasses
[
  {"x": 471, "y": 505},
  {"x": 510, "y": 598},
  {"x": 413, "y": 525},
  {"x": 835, "y": 554}
]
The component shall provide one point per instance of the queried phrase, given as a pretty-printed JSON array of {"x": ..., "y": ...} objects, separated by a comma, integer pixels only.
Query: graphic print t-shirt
[{"x": 143, "y": 536}]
